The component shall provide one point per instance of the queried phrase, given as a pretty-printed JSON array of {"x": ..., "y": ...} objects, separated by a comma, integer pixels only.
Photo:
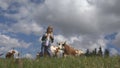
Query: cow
[
  {"x": 56, "y": 52},
  {"x": 12, "y": 54},
  {"x": 79, "y": 53},
  {"x": 68, "y": 50}
]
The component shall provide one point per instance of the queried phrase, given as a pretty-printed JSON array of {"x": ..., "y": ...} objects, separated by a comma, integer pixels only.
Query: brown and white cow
[
  {"x": 12, "y": 54},
  {"x": 79, "y": 53},
  {"x": 56, "y": 52},
  {"x": 68, "y": 50}
]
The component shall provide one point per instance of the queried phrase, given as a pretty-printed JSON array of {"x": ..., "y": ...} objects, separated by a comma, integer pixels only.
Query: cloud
[
  {"x": 29, "y": 56},
  {"x": 117, "y": 40},
  {"x": 113, "y": 51},
  {"x": 78, "y": 17},
  {"x": 70, "y": 16},
  {"x": 83, "y": 23},
  {"x": 24, "y": 22},
  {"x": 87, "y": 19},
  {"x": 6, "y": 43},
  {"x": 83, "y": 42},
  {"x": 3, "y": 4},
  {"x": 60, "y": 38},
  {"x": 107, "y": 7},
  {"x": 3, "y": 28},
  {"x": 26, "y": 28}
]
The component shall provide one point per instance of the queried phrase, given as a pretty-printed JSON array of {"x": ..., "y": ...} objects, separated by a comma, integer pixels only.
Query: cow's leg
[
  {"x": 56, "y": 52},
  {"x": 65, "y": 55},
  {"x": 8, "y": 55}
]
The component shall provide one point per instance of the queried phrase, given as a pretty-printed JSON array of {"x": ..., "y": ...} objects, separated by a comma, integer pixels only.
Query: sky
[{"x": 84, "y": 24}]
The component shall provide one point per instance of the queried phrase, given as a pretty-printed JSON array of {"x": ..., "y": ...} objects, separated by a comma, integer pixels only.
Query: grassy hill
[{"x": 68, "y": 62}]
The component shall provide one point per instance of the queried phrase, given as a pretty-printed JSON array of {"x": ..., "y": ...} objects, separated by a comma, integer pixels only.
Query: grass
[{"x": 68, "y": 62}]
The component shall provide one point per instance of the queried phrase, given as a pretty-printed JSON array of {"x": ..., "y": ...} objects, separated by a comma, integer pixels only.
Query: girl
[{"x": 47, "y": 39}]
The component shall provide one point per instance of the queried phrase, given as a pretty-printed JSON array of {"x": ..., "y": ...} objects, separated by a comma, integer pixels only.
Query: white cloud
[
  {"x": 80, "y": 22},
  {"x": 66, "y": 14},
  {"x": 6, "y": 43},
  {"x": 81, "y": 15},
  {"x": 80, "y": 18},
  {"x": 26, "y": 28},
  {"x": 83, "y": 42},
  {"x": 29, "y": 56},
  {"x": 60, "y": 38},
  {"x": 3, "y": 4},
  {"x": 117, "y": 40},
  {"x": 113, "y": 51},
  {"x": 25, "y": 22}
]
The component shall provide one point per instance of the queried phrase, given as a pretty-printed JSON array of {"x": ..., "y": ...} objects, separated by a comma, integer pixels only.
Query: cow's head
[
  {"x": 61, "y": 45},
  {"x": 13, "y": 52}
]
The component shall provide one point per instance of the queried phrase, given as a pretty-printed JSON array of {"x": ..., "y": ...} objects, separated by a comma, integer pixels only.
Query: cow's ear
[{"x": 65, "y": 43}]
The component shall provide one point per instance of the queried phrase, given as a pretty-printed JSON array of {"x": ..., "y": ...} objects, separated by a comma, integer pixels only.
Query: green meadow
[{"x": 68, "y": 62}]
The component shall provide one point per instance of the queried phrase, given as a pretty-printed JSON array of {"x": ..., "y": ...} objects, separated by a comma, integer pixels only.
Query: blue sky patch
[
  {"x": 37, "y": 1},
  {"x": 111, "y": 36},
  {"x": 6, "y": 20}
]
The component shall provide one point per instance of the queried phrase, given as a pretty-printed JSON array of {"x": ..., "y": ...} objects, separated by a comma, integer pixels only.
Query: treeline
[{"x": 99, "y": 52}]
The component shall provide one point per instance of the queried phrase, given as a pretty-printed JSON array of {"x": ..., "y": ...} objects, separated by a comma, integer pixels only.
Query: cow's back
[{"x": 69, "y": 50}]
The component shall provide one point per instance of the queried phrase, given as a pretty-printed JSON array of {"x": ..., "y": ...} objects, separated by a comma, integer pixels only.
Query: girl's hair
[{"x": 50, "y": 29}]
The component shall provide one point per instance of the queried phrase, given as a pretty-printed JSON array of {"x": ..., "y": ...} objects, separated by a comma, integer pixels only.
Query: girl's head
[{"x": 49, "y": 29}]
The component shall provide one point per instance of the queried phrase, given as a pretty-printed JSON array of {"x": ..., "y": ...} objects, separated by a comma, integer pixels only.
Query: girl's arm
[{"x": 52, "y": 38}]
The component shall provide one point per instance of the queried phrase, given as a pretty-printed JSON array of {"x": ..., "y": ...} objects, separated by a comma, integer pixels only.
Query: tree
[
  {"x": 87, "y": 52},
  {"x": 100, "y": 53},
  {"x": 94, "y": 53},
  {"x": 106, "y": 53}
]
